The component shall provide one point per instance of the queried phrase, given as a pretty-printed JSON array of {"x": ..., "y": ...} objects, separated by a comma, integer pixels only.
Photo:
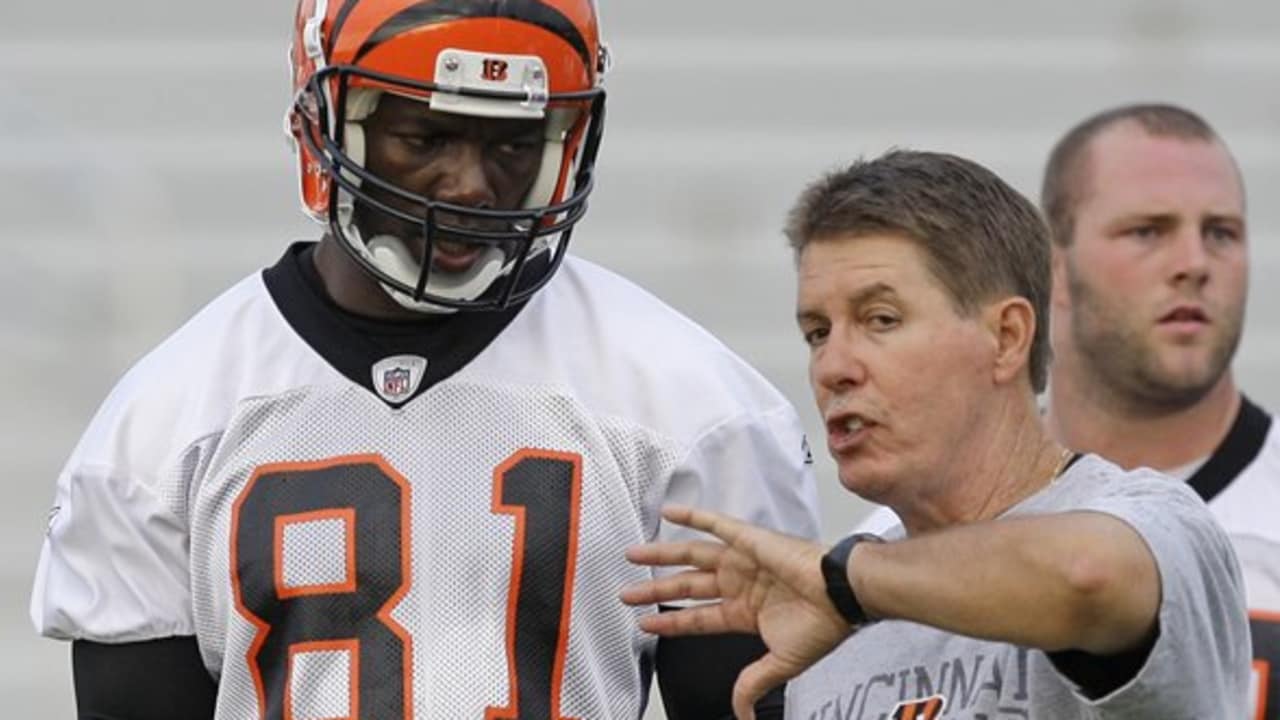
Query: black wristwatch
[{"x": 835, "y": 569}]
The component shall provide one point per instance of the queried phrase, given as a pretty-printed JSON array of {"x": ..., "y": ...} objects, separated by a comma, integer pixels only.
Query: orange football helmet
[{"x": 486, "y": 58}]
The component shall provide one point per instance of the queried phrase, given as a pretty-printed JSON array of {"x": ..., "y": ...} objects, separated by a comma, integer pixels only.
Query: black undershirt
[
  {"x": 154, "y": 680},
  {"x": 696, "y": 675}
]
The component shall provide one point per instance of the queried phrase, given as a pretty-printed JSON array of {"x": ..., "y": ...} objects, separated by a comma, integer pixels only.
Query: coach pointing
[{"x": 1025, "y": 581}]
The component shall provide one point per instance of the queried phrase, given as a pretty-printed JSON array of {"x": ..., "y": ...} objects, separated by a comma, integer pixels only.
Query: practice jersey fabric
[
  {"x": 1197, "y": 668},
  {"x": 1241, "y": 483},
  {"x": 385, "y": 546}
]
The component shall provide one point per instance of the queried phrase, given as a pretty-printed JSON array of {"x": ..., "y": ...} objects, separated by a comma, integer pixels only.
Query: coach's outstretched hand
[{"x": 766, "y": 582}]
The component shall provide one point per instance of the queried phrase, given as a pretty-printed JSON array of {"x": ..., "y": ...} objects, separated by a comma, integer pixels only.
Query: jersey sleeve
[
  {"x": 114, "y": 565},
  {"x": 1198, "y": 665},
  {"x": 756, "y": 467},
  {"x": 115, "y": 562}
]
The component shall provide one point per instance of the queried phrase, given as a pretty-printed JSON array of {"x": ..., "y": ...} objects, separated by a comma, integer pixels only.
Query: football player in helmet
[
  {"x": 388, "y": 95},
  {"x": 393, "y": 475}
]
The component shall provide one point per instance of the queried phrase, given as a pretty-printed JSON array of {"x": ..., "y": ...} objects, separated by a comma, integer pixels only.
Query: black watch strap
[{"x": 835, "y": 566}]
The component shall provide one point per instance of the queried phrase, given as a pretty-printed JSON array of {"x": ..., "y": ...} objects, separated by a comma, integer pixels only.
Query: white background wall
[{"x": 142, "y": 169}]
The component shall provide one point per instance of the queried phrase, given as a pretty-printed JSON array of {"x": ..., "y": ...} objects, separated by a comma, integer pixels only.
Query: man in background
[{"x": 1150, "y": 264}]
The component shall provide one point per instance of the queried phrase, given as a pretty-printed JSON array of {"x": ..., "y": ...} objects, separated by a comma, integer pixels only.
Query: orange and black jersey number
[
  {"x": 541, "y": 490},
  {"x": 1264, "y": 687}
]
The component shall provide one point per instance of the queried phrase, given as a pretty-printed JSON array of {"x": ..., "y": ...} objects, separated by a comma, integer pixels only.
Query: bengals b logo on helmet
[{"x": 927, "y": 708}]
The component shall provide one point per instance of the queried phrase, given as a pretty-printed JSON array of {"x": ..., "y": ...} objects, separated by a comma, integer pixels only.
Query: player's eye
[
  {"x": 419, "y": 140},
  {"x": 519, "y": 147}
]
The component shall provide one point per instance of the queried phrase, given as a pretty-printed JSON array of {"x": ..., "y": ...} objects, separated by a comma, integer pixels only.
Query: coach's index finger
[{"x": 722, "y": 526}]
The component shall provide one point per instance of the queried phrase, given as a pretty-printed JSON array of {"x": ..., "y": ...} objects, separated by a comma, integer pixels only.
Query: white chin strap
[{"x": 389, "y": 253}]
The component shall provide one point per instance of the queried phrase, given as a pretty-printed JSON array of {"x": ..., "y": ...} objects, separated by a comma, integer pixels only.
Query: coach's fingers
[
  {"x": 700, "y": 620},
  {"x": 688, "y": 585},
  {"x": 701, "y": 554},
  {"x": 761, "y": 545},
  {"x": 754, "y": 681},
  {"x": 793, "y": 560},
  {"x": 722, "y": 526}
]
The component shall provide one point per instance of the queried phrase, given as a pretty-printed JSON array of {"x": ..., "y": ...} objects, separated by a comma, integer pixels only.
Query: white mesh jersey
[
  {"x": 458, "y": 555},
  {"x": 1248, "y": 507}
]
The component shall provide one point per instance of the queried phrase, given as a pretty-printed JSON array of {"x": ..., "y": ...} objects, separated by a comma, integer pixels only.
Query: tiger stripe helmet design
[{"x": 537, "y": 59}]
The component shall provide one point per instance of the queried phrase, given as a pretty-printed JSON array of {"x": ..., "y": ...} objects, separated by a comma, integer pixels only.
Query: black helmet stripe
[
  {"x": 338, "y": 22},
  {"x": 430, "y": 12}
]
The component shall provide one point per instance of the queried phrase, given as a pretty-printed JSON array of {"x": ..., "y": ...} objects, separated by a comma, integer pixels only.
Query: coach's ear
[{"x": 1012, "y": 323}]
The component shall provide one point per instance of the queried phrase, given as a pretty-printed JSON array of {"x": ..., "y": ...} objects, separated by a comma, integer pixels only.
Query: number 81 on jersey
[{"x": 328, "y": 614}]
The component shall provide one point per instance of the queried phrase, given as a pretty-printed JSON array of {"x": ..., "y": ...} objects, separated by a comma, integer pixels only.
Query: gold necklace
[{"x": 1063, "y": 460}]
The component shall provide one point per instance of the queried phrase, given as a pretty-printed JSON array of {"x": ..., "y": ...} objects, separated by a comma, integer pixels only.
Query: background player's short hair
[
  {"x": 1061, "y": 189},
  {"x": 981, "y": 237}
]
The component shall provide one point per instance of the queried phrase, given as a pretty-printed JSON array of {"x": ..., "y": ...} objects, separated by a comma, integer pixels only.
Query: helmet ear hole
[
  {"x": 560, "y": 122},
  {"x": 353, "y": 139},
  {"x": 361, "y": 103}
]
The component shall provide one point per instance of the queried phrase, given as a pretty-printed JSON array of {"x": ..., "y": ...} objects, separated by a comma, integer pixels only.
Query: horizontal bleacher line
[
  {"x": 720, "y": 53},
  {"x": 609, "y": 240},
  {"x": 680, "y": 146}
]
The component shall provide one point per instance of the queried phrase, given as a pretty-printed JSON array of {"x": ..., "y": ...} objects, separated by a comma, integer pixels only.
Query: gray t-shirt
[{"x": 1197, "y": 669}]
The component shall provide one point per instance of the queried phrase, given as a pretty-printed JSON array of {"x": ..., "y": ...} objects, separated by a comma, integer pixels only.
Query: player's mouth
[
  {"x": 847, "y": 431},
  {"x": 454, "y": 256},
  {"x": 1186, "y": 319}
]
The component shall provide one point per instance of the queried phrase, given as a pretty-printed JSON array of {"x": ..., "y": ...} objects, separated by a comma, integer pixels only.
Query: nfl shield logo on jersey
[
  {"x": 395, "y": 382},
  {"x": 397, "y": 378}
]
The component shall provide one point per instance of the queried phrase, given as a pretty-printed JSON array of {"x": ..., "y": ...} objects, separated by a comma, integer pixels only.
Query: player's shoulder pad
[
  {"x": 186, "y": 388},
  {"x": 627, "y": 353}
]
